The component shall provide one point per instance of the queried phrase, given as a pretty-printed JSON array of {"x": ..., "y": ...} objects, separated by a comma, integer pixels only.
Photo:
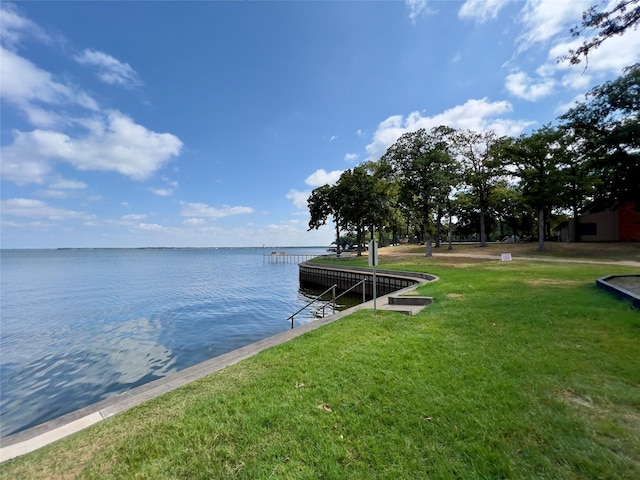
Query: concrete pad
[{"x": 12, "y": 451}]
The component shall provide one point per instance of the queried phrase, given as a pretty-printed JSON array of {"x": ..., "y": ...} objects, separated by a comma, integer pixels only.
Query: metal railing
[
  {"x": 333, "y": 299},
  {"x": 318, "y": 298},
  {"x": 361, "y": 282}
]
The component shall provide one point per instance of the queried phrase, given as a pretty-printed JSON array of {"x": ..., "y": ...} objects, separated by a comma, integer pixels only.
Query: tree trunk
[
  {"x": 427, "y": 235},
  {"x": 576, "y": 223},
  {"x": 450, "y": 234},
  {"x": 438, "y": 227},
  {"x": 337, "y": 238},
  {"x": 541, "y": 230},
  {"x": 576, "y": 215},
  {"x": 483, "y": 233},
  {"x": 359, "y": 239}
]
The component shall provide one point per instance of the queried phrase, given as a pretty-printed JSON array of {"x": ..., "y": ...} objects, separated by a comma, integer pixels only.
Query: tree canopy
[
  {"x": 492, "y": 185},
  {"x": 605, "y": 130}
]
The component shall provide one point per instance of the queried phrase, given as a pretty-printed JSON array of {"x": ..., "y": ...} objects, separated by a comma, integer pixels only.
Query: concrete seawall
[{"x": 387, "y": 281}]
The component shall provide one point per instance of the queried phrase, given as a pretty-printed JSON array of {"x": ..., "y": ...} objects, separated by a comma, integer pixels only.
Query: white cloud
[
  {"x": 111, "y": 70},
  {"x": 481, "y": 10},
  {"x": 521, "y": 85},
  {"x": 161, "y": 192},
  {"x": 417, "y": 8},
  {"x": 168, "y": 181},
  {"x": 564, "y": 107},
  {"x": 14, "y": 27},
  {"x": 547, "y": 23},
  {"x": 70, "y": 126},
  {"x": 332, "y": 138},
  {"x": 119, "y": 145},
  {"x": 291, "y": 226},
  {"x": 299, "y": 198},
  {"x": 206, "y": 211},
  {"x": 317, "y": 179},
  {"x": 351, "y": 157},
  {"x": 61, "y": 188},
  {"x": 20, "y": 169},
  {"x": 27, "y": 86},
  {"x": 477, "y": 115},
  {"x": 321, "y": 177},
  {"x": 544, "y": 19},
  {"x": 154, "y": 227},
  {"x": 611, "y": 57},
  {"x": 194, "y": 221},
  {"x": 26, "y": 207},
  {"x": 134, "y": 217},
  {"x": 59, "y": 194},
  {"x": 65, "y": 184},
  {"x": 575, "y": 80}
]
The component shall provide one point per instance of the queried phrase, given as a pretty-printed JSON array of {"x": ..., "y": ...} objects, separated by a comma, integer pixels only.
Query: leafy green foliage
[
  {"x": 481, "y": 169},
  {"x": 426, "y": 172},
  {"x": 605, "y": 130}
]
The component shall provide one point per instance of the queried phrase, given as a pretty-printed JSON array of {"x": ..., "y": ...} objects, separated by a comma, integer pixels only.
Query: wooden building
[{"x": 621, "y": 224}]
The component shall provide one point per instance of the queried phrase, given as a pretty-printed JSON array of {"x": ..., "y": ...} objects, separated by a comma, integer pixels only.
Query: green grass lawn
[{"x": 517, "y": 370}]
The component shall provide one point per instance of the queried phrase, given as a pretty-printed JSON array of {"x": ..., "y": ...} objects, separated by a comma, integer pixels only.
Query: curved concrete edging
[
  {"x": 44, "y": 434},
  {"x": 621, "y": 292}
]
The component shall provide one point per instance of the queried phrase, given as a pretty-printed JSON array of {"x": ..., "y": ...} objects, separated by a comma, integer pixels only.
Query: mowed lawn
[{"x": 517, "y": 370}]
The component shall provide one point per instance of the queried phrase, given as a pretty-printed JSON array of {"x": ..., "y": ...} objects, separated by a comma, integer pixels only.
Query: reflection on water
[
  {"x": 132, "y": 351},
  {"x": 79, "y": 326},
  {"x": 117, "y": 359}
]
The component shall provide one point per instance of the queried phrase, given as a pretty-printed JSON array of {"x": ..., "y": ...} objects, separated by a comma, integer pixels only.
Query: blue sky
[{"x": 128, "y": 124}]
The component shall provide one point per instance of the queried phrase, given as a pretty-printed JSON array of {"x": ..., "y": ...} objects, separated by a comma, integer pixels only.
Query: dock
[{"x": 284, "y": 257}]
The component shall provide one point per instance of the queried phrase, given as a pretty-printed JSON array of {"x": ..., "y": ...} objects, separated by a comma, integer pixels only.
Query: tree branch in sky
[{"x": 606, "y": 24}]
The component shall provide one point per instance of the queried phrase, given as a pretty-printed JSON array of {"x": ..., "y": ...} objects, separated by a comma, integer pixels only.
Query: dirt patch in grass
[
  {"x": 454, "y": 295},
  {"x": 572, "y": 398},
  {"x": 553, "y": 281},
  {"x": 408, "y": 257},
  {"x": 615, "y": 251},
  {"x": 461, "y": 260}
]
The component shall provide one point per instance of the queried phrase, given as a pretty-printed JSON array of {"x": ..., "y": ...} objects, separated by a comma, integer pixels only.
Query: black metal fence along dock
[{"x": 284, "y": 257}]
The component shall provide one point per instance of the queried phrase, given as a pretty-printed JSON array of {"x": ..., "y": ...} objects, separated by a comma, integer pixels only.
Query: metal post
[
  {"x": 333, "y": 293},
  {"x": 374, "y": 290},
  {"x": 373, "y": 261}
]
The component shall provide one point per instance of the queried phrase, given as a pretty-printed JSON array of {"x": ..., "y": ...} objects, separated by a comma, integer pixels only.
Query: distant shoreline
[{"x": 265, "y": 247}]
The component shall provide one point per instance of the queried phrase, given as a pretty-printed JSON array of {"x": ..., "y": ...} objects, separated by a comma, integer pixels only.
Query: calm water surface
[{"x": 79, "y": 326}]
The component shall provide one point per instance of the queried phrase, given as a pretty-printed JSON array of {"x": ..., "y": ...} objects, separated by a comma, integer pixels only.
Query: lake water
[{"x": 79, "y": 326}]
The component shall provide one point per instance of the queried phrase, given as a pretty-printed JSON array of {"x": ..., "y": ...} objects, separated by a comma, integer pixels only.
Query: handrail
[
  {"x": 347, "y": 291},
  {"x": 319, "y": 297},
  {"x": 364, "y": 296}
]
